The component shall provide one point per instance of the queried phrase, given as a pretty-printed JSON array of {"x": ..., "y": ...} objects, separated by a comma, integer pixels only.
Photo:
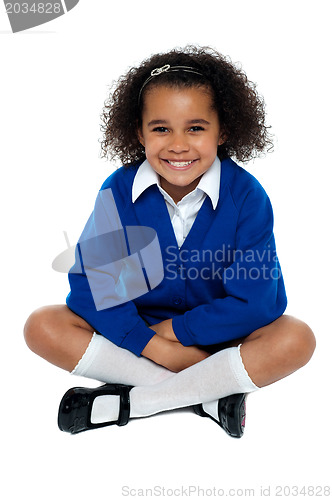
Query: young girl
[{"x": 177, "y": 296}]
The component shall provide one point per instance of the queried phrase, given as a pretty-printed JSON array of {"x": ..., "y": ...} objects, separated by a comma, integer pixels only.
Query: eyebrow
[
  {"x": 199, "y": 121},
  {"x": 157, "y": 122}
]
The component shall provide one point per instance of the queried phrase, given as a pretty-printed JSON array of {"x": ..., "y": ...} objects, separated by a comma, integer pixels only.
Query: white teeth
[{"x": 180, "y": 163}]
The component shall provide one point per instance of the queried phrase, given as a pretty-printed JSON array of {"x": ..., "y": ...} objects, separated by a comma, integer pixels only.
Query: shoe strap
[{"x": 124, "y": 405}]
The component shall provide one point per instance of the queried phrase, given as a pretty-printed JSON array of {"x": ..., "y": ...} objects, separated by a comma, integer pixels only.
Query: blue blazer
[{"x": 222, "y": 284}]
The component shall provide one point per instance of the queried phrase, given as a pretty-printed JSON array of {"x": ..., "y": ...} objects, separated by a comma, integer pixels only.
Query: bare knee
[
  {"x": 37, "y": 329},
  {"x": 45, "y": 327},
  {"x": 299, "y": 341},
  {"x": 58, "y": 335}
]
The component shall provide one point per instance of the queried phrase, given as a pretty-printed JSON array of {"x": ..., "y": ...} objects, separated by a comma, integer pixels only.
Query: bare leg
[
  {"x": 269, "y": 354},
  {"x": 277, "y": 350},
  {"x": 58, "y": 335},
  {"x": 61, "y": 337}
]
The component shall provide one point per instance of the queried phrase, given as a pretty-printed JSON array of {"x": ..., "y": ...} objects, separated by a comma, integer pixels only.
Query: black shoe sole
[{"x": 232, "y": 413}]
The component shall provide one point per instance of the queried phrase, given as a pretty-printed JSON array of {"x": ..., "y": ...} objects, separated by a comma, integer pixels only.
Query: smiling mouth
[{"x": 180, "y": 164}]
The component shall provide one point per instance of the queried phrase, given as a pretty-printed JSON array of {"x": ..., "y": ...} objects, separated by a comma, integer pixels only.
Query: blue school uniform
[{"x": 222, "y": 284}]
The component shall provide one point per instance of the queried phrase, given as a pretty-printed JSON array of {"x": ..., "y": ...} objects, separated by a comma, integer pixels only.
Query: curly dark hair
[{"x": 241, "y": 110}]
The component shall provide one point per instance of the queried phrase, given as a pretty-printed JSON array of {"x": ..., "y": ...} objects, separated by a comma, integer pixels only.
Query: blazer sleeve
[
  {"x": 254, "y": 293},
  {"x": 106, "y": 277}
]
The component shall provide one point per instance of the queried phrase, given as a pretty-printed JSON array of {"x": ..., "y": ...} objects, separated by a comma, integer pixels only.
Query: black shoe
[
  {"x": 76, "y": 405},
  {"x": 231, "y": 412}
]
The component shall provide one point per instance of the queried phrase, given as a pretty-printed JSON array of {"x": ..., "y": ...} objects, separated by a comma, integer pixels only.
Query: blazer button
[{"x": 177, "y": 301}]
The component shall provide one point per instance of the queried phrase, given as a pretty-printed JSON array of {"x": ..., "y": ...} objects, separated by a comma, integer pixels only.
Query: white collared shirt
[{"x": 183, "y": 213}]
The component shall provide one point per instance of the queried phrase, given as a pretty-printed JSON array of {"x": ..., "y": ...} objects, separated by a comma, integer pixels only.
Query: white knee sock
[
  {"x": 158, "y": 389},
  {"x": 211, "y": 407},
  {"x": 106, "y": 362},
  {"x": 220, "y": 375}
]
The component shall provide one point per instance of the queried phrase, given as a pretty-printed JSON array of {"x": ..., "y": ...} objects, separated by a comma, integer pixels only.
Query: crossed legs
[{"x": 267, "y": 355}]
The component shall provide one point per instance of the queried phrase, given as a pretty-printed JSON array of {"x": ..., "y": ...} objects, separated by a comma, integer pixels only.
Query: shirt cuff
[
  {"x": 136, "y": 340},
  {"x": 181, "y": 331}
]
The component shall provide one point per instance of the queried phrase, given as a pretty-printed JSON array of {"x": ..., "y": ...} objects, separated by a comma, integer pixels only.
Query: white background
[{"x": 54, "y": 80}]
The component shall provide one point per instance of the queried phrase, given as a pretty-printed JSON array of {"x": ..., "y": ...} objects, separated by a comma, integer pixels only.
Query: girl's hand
[
  {"x": 173, "y": 355},
  {"x": 165, "y": 330}
]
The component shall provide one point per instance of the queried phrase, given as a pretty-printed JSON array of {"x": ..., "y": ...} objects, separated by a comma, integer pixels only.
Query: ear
[
  {"x": 222, "y": 138},
  {"x": 140, "y": 136}
]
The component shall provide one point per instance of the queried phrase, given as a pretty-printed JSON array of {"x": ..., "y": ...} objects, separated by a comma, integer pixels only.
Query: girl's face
[{"x": 180, "y": 132}]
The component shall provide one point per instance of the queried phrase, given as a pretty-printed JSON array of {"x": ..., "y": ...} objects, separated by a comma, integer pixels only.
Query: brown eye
[
  {"x": 196, "y": 128},
  {"x": 160, "y": 129}
]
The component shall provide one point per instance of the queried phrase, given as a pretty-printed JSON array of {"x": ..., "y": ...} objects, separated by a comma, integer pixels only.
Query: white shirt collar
[{"x": 209, "y": 183}]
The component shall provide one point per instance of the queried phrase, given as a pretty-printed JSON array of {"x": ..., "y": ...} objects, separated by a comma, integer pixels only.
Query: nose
[{"x": 178, "y": 143}]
